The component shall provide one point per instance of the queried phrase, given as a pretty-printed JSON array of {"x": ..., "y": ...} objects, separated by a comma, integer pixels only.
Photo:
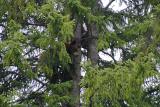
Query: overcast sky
[{"x": 116, "y": 5}]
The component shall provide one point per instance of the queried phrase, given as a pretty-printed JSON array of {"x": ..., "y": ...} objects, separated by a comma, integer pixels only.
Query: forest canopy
[{"x": 55, "y": 53}]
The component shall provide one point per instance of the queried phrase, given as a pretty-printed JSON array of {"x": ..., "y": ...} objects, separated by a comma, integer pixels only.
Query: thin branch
[
  {"x": 2, "y": 34},
  {"x": 44, "y": 84},
  {"x": 36, "y": 24},
  {"x": 2, "y": 25},
  {"x": 109, "y": 4},
  {"x": 110, "y": 56}
]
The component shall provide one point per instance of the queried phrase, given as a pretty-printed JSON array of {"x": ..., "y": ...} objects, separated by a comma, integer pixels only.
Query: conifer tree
[{"x": 45, "y": 45}]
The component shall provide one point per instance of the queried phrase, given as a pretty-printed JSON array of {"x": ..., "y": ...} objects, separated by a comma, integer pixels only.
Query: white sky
[
  {"x": 117, "y": 56},
  {"x": 116, "y": 5}
]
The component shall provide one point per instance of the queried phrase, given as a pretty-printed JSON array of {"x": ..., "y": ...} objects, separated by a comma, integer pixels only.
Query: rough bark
[
  {"x": 76, "y": 68},
  {"x": 92, "y": 49},
  {"x": 92, "y": 44}
]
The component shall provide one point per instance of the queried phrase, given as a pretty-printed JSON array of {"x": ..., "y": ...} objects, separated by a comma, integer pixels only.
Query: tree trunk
[
  {"x": 92, "y": 50},
  {"x": 76, "y": 68},
  {"x": 92, "y": 44}
]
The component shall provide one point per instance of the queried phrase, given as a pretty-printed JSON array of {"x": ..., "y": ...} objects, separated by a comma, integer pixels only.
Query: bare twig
[
  {"x": 109, "y": 4},
  {"x": 110, "y": 56}
]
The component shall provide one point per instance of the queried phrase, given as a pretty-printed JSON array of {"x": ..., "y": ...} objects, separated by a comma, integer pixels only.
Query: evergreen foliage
[{"x": 45, "y": 45}]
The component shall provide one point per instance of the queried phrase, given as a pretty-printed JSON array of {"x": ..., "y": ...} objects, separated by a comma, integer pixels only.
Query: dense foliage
[{"x": 46, "y": 46}]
